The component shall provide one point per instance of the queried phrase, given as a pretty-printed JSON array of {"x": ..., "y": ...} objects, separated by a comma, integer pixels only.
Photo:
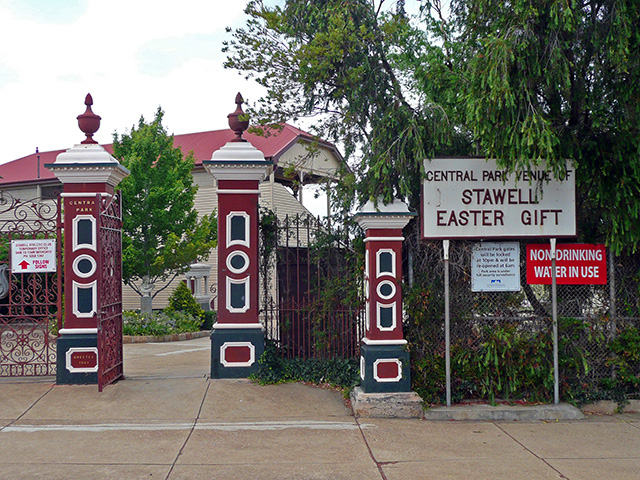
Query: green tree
[
  {"x": 162, "y": 234},
  {"x": 336, "y": 59},
  {"x": 523, "y": 81}
]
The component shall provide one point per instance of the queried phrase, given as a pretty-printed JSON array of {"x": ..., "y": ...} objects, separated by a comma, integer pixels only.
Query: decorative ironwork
[
  {"x": 110, "y": 364},
  {"x": 30, "y": 303},
  {"x": 315, "y": 309}
]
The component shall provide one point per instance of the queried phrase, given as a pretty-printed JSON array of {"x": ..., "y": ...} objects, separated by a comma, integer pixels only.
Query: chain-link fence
[{"x": 502, "y": 343}]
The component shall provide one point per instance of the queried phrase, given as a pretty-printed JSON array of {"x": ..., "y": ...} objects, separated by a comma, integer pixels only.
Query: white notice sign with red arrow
[{"x": 33, "y": 256}]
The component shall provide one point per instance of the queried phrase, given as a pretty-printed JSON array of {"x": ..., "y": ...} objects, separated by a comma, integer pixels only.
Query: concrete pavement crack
[
  {"x": 562, "y": 475},
  {"x": 28, "y": 409},
  {"x": 193, "y": 427},
  {"x": 366, "y": 442}
]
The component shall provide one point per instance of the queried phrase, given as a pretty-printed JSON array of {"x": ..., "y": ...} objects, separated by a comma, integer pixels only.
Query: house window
[{"x": 50, "y": 192}]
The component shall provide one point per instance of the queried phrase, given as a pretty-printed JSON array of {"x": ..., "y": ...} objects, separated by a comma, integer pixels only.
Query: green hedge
[{"x": 159, "y": 323}]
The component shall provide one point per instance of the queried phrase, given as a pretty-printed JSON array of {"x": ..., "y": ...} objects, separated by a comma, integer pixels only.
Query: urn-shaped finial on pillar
[
  {"x": 238, "y": 126},
  {"x": 89, "y": 122}
]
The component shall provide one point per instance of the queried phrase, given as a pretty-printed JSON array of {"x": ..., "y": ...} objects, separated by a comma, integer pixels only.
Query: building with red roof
[{"x": 299, "y": 158}]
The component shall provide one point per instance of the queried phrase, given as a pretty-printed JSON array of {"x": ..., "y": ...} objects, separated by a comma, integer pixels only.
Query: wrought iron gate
[
  {"x": 312, "y": 291},
  {"x": 110, "y": 367},
  {"x": 30, "y": 303}
]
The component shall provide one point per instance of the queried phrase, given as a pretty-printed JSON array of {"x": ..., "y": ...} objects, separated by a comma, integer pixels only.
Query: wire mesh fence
[{"x": 501, "y": 342}]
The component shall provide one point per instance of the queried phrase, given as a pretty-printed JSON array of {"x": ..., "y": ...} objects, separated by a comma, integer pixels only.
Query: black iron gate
[
  {"x": 312, "y": 292},
  {"x": 30, "y": 303},
  {"x": 110, "y": 366}
]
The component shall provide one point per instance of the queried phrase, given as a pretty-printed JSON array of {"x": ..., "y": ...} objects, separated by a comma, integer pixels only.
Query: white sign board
[
  {"x": 33, "y": 256},
  {"x": 495, "y": 267},
  {"x": 473, "y": 198}
]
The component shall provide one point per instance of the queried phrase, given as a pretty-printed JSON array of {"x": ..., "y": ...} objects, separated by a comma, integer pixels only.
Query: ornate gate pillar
[
  {"x": 237, "y": 338},
  {"x": 385, "y": 388},
  {"x": 88, "y": 174}
]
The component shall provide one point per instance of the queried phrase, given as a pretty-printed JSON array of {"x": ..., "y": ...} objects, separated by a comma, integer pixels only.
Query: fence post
[
  {"x": 237, "y": 338},
  {"x": 88, "y": 172},
  {"x": 384, "y": 360}
]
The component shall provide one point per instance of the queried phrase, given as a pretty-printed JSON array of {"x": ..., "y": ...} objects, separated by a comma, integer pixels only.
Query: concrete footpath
[{"x": 168, "y": 420}]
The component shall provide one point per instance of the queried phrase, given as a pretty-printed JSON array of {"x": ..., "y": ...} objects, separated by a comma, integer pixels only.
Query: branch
[
  {"x": 133, "y": 287},
  {"x": 168, "y": 283}
]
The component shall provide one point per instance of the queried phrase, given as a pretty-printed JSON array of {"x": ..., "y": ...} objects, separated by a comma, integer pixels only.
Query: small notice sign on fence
[
  {"x": 495, "y": 267},
  {"x": 576, "y": 264},
  {"x": 29, "y": 256}
]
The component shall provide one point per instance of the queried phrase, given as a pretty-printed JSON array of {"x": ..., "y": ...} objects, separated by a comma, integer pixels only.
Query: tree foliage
[
  {"x": 336, "y": 59},
  {"x": 525, "y": 82},
  {"x": 162, "y": 234}
]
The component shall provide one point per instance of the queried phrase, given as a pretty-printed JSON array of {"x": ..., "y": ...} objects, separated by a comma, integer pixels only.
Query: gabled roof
[{"x": 25, "y": 170}]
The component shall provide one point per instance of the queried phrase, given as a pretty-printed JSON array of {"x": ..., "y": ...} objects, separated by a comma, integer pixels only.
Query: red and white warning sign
[
  {"x": 576, "y": 264},
  {"x": 33, "y": 256}
]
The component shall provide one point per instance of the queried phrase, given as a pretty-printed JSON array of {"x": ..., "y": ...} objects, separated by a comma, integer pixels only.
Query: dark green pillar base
[
  {"x": 235, "y": 351},
  {"x": 384, "y": 369},
  {"x": 77, "y": 359}
]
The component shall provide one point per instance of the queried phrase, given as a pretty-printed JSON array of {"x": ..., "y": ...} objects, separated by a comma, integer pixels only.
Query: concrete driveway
[{"x": 168, "y": 420}]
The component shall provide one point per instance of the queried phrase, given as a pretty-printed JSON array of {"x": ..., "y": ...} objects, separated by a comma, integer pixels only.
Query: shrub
[
  {"x": 209, "y": 320},
  {"x": 182, "y": 300},
  {"x": 337, "y": 372}
]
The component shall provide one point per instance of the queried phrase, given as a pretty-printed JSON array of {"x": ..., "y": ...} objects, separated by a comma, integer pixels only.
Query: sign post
[
  {"x": 447, "y": 326},
  {"x": 554, "y": 312},
  {"x": 495, "y": 267},
  {"x": 474, "y": 198}
]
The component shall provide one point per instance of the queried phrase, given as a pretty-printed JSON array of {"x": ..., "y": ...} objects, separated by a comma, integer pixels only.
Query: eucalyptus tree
[{"x": 528, "y": 83}]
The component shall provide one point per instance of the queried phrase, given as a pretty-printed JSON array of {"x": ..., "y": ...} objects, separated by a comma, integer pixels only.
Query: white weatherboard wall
[
  {"x": 473, "y": 198},
  {"x": 273, "y": 195}
]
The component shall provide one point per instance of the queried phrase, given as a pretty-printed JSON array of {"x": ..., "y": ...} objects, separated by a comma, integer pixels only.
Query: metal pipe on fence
[
  {"x": 613, "y": 312},
  {"x": 447, "y": 329},
  {"x": 554, "y": 309}
]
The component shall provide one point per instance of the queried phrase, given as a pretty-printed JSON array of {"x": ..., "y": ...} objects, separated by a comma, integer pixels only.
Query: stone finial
[
  {"x": 237, "y": 125},
  {"x": 89, "y": 122}
]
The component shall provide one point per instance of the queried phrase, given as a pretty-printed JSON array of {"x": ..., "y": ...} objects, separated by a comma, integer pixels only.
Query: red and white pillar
[
  {"x": 384, "y": 361},
  {"x": 237, "y": 338},
  {"x": 88, "y": 172}
]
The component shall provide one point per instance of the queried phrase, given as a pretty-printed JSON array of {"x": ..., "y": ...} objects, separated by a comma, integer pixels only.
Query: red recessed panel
[
  {"x": 83, "y": 360},
  {"x": 240, "y": 354},
  {"x": 388, "y": 369}
]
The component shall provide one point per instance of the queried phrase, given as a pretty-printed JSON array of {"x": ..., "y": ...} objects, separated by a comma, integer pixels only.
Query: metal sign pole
[
  {"x": 554, "y": 310},
  {"x": 447, "y": 334}
]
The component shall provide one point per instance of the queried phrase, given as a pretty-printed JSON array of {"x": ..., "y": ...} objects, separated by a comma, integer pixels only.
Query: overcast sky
[{"x": 131, "y": 55}]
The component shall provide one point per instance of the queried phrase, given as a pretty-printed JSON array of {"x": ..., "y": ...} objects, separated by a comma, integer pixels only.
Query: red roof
[{"x": 203, "y": 144}]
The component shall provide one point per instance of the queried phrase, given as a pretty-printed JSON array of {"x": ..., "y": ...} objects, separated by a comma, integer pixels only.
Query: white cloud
[{"x": 132, "y": 56}]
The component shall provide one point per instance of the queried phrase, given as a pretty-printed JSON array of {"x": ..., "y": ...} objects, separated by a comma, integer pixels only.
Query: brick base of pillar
[
  {"x": 77, "y": 359},
  {"x": 235, "y": 351}
]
